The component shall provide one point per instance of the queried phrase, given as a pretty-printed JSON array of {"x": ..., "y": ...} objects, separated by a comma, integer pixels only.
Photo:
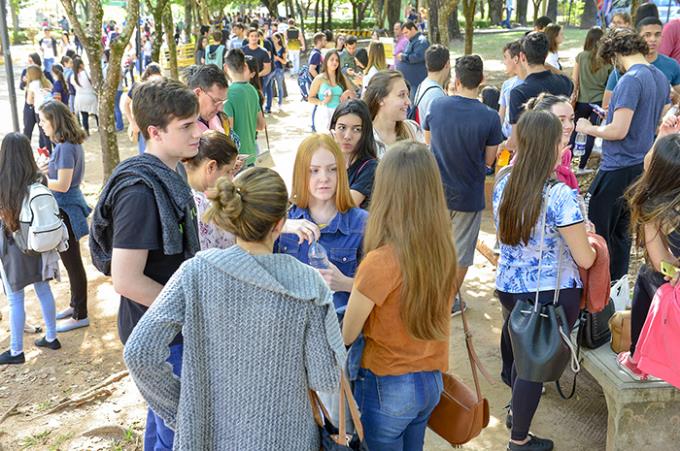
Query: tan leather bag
[
  {"x": 619, "y": 324},
  {"x": 461, "y": 413}
]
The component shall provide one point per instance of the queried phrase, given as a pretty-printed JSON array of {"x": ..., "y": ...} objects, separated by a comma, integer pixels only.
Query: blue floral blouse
[{"x": 518, "y": 265}]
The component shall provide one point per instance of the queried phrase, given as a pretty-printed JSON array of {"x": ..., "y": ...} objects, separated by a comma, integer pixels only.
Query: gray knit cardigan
[{"x": 259, "y": 331}]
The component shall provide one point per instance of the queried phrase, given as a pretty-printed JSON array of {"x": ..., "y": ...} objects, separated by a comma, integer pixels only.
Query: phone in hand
[{"x": 668, "y": 269}]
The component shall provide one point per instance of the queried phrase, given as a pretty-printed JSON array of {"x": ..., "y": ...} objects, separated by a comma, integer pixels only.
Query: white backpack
[{"x": 41, "y": 228}]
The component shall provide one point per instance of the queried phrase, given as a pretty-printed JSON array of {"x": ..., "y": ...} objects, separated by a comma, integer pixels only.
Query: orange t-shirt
[{"x": 390, "y": 350}]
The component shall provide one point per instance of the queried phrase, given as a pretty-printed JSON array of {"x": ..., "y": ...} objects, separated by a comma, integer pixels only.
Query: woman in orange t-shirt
[{"x": 401, "y": 300}]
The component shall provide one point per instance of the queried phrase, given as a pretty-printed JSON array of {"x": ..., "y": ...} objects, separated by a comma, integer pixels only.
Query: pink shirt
[
  {"x": 670, "y": 40},
  {"x": 214, "y": 124},
  {"x": 399, "y": 47}
]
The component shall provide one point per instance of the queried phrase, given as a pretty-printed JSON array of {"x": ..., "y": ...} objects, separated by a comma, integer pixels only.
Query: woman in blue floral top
[
  {"x": 322, "y": 203},
  {"x": 519, "y": 200}
]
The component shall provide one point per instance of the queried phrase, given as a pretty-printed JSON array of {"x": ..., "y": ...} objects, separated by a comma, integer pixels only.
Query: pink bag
[{"x": 657, "y": 351}]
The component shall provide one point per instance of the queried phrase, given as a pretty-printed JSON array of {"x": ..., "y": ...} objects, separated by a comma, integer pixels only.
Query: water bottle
[
  {"x": 317, "y": 255},
  {"x": 580, "y": 145}
]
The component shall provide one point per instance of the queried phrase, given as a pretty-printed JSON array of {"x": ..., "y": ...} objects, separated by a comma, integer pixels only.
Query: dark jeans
[
  {"x": 158, "y": 436},
  {"x": 586, "y": 111},
  {"x": 85, "y": 119},
  {"x": 646, "y": 284},
  {"x": 609, "y": 212},
  {"x": 267, "y": 83},
  {"x": 77, "y": 277},
  {"x": 117, "y": 114},
  {"x": 525, "y": 394}
]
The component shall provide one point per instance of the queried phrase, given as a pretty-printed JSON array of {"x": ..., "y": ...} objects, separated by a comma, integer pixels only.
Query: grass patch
[
  {"x": 59, "y": 441},
  {"x": 44, "y": 405},
  {"x": 490, "y": 46},
  {"x": 39, "y": 439}
]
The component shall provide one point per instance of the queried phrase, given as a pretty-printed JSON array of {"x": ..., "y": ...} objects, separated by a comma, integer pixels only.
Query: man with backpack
[
  {"x": 438, "y": 64},
  {"x": 48, "y": 48},
  {"x": 214, "y": 54},
  {"x": 296, "y": 44}
]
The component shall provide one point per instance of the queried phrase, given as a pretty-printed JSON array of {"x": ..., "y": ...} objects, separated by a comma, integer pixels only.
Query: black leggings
[
  {"x": 646, "y": 284},
  {"x": 77, "y": 277},
  {"x": 525, "y": 394},
  {"x": 85, "y": 118}
]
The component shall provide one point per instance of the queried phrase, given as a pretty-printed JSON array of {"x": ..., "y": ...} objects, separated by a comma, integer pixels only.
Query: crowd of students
[{"x": 212, "y": 256}]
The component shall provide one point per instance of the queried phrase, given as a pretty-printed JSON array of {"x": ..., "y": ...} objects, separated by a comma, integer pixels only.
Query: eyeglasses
[{"x": 214, "y": 100}]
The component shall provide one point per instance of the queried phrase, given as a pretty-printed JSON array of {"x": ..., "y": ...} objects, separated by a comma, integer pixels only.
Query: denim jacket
[
  {"x": 342, "y": 238},
  {"x": 412, "y": 64}
]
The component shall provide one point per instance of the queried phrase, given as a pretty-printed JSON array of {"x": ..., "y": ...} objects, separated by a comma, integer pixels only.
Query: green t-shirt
[
  {"x": 347, "y": 61},
  {"x": 243, "y": 105},
  {"x": 591, "y": 85}
]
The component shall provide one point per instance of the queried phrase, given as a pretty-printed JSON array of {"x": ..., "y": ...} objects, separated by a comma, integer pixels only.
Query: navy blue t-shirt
[
  {"x": 460, "y": 130},
  {"x": 534, "y": 84},
  {"x": 645, "y": 90}
]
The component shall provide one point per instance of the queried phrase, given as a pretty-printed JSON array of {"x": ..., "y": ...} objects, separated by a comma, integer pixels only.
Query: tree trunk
[
  {"x": 589, "y": 14},
  {"x": 480, "y": 4},
  {"x": 14, "y": 12},
  {"x": 168, "y": 25},
  {"x": 316, "y": 16},
  {"x": 188, "y": 20},
  {"x": 361, "y": 13},
  {"x": 551, "y": 11},
  {"x": 447, "y": 8},
  {"x": 436, "y": 35},
  {"x": 522, "y": 6},
  {"x": 453, "y": 27},
  {"x": 496, "y": 11},
  {"x": 157, "y": 14},
  {"x": 379, "y": 13},
  {"x": 469, "y": 12},
  {"x": 329, "y": 17},
  {"x": 354, "y": 15},
  {"x": 105, "y": 88},
  {"x": 393, "y": 12},
  {"x": 537, "y": 9}
]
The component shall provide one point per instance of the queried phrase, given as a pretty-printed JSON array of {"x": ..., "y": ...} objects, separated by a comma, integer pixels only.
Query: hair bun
[{"x": 229, "y": 197}]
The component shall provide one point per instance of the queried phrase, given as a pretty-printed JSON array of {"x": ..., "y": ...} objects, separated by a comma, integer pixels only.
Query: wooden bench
[{"x": 643, "y": 415}]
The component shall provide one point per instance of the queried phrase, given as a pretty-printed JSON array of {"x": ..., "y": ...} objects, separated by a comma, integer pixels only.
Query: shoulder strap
[
  {"x": 475, "y": 362},
  {"x": 423, "y": 95}
]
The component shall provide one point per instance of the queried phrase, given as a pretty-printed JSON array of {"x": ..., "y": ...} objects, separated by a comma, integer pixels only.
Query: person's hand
[
  {"x": 42, "y": 166},
  {"x": 400, "y": 57},
  {"x": 583, "y": 125},
  {"x": 336, "y": 280},
  {"x": 348, "y": 94},
  {"x": 328, "y": 96},
  {"x": 304, "y": 229},
  {"x": 669, "y": 125}
]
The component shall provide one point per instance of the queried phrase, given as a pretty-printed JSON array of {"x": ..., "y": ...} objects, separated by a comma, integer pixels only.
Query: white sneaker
[
  {"x": 67, "y": 313},
  {"x": 583, "y": 171},
  {"x": 71, "y": 324}
]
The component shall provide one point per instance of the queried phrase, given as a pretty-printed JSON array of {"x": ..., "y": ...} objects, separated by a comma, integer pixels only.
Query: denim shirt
[{"x": 342, "y": 238}]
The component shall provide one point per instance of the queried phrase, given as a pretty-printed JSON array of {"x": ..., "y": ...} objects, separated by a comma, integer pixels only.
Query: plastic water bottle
[
  {"x": 580, "y": 145},
  {"x": 317, "y": 255}
]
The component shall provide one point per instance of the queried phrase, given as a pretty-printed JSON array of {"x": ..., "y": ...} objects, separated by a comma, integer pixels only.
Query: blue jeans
[
  {"x": 17, "y": 314},
  {"x": 278, "y": 78},
  {"x": 48, "y": 63},
  {"x": 395, "y": 409},
  {"x": 117, "y": 114},
  {"x": 268, "y": 91},
  {"x": 157, "y": 436}
]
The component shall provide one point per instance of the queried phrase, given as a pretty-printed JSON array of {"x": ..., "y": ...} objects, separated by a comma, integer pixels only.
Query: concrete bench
[{"x": 642, "y": 415}]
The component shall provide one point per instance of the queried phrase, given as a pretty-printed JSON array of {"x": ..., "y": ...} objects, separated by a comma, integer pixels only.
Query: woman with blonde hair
[
  {"x": 328, "y": 89},
  {"x": 321, "y": 197},
  {"x": 270, "y": 314},
  {"x": 376, "y": 61},
  {"x": 38, "y": 90},
  {"x": 401, "y": 300},
  {"x": 387, "y": 97},
  {"x": 543, "y": 243}
]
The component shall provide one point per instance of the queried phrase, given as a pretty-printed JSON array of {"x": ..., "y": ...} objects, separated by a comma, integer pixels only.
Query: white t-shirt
[
  {"x": 38, "y": 93},
  {"x": 554, "y": 60},
  {"x": 47, "y": 46},
  {"x": 371, "y": 72}
]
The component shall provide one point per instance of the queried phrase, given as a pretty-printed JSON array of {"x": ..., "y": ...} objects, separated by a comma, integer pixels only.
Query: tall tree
[
  {"x": 168, "y": 25},
  {"x": 589, "y": 14},
  {"x": 453, "y": 27},
  {"x": 393, "y": 12},
  {"x": 551, "y": 10},
  {"x": 496, "y": 11},
  {"x": 188, "y": 20},
  {"x": 156, "y": 8},
  {"x": 359, "y": 8},
  {"x": 379, "y": 13},
  {"x": 469, "y": 7},
  {"x": 272, "y": 6},
  {"x": 537, "y": 8},
  {"x": 522, "y": 6},
  {"x": 89, "y": 34},
  {"x": 435, "y": 22},
  {"x": 14, "y": 6}
]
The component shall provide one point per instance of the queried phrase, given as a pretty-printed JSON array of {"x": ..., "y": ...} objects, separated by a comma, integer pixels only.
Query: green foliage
[
  {"x": 577, "y": 8},
  {"x": 36, "y": 440}
]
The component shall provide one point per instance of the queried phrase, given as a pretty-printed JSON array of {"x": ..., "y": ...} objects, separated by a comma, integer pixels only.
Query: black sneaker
[
  {"x": 43, "y": 343},
  {"x": 458, "y": 306},
  {"x": 6, "y": 358},
  {"x": 534, "y": 444},
  {"x": 508, "y": 416}
]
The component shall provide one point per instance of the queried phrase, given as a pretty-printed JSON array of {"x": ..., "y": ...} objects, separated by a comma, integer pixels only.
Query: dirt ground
[{"x": 56, "y": 401}]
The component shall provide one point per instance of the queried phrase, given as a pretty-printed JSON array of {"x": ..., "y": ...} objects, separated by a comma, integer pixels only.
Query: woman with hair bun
[{"x": 259, "y": 332}]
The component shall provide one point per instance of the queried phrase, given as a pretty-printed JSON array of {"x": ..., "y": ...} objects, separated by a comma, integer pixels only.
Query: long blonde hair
[
  {"x": 409, "y": 213},
  {"x": 303, "y": 160},
  {"x": 376, "y": 56},
  {"x": 33, "y": 73}
]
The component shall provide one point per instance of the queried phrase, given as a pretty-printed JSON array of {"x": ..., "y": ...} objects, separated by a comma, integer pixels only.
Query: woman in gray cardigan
[{"x": 259, "y": 332}]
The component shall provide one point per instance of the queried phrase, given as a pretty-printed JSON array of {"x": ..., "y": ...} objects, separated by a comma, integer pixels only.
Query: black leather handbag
[
  {"x": 539, "y": 333},
  {"x": 594, "y": 327}
]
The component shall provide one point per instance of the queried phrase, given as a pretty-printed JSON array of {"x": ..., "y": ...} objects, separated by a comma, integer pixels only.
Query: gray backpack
[{"x": 41, "y": 228}]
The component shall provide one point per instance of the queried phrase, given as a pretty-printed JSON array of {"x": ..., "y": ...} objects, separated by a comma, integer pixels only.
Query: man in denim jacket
[{"x": 411, "y": 62}]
